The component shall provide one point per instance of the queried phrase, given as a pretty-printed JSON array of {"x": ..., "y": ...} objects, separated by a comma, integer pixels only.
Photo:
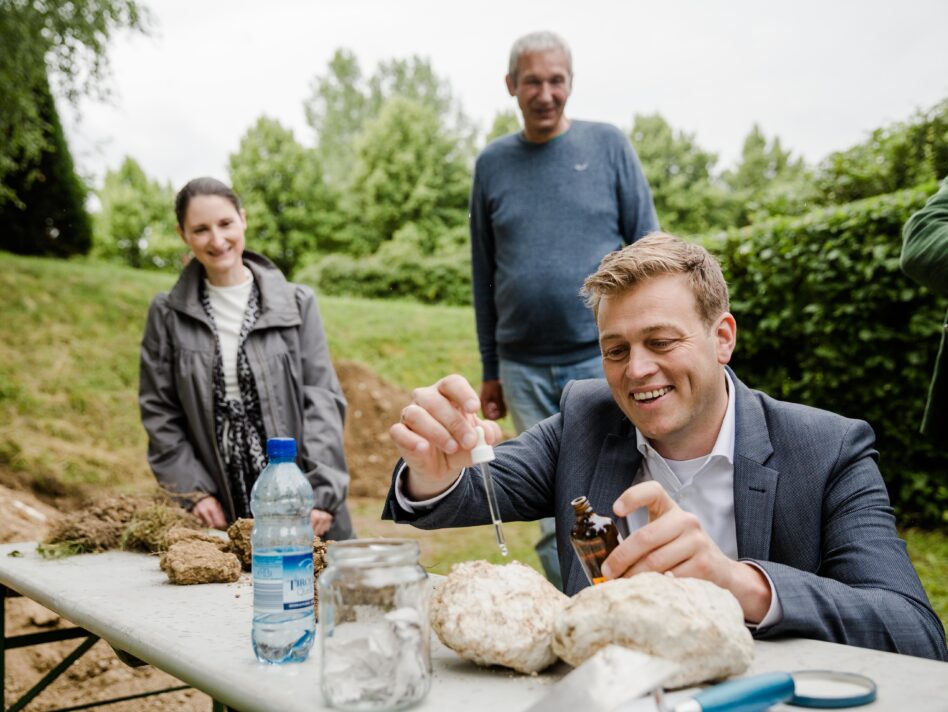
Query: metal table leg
[{"x": 20, "y": 641}]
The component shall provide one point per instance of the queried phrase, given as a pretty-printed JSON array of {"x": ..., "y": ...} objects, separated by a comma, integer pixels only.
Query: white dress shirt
[{"x": 703, "y": 486}]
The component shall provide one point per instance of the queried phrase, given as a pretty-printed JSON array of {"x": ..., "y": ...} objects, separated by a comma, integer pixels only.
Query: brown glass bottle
[{"x": 593, "y": 538}]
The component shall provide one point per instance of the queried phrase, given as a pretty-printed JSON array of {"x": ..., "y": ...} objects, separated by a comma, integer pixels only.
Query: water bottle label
[
  {"x": 298, "y": 581},
  {"x": 282, "y": 582}
]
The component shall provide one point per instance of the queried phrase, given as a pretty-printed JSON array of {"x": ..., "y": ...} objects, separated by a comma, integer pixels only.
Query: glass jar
[{"x": 374, "y": 630}]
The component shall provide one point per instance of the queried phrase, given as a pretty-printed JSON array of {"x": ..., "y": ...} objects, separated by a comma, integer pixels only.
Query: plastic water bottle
[{"x": 281, "y": 501}]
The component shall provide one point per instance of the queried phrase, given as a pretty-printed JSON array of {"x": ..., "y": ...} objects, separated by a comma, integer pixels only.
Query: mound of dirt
[{"x": 374, "y": 406}]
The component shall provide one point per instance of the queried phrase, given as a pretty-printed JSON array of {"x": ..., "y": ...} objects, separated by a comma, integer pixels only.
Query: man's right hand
[
  {"x": 210, "y": 512},
  {"x": 492, "y": 400},
  {"x": 436, "y": 434}
]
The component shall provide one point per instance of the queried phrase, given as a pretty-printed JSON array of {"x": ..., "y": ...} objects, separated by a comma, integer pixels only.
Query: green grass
[
  {"x": 69, "y": 339},
  {"x": 407, "y": 344},
  {"x": 444, "y": 547},
  {"x": 929, "y": 553}
]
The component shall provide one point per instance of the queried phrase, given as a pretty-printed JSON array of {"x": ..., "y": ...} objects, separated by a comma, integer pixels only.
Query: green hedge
[
  {"x": 442, "y": 278},
  {"x": 825, "y": 317}
]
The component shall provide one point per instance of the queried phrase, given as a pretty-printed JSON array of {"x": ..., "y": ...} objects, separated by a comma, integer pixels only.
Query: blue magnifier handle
[{"x": 749, "y": 694}]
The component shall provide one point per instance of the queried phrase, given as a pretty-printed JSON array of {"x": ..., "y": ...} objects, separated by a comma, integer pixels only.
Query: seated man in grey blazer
[{"x": 781, "y": 504}]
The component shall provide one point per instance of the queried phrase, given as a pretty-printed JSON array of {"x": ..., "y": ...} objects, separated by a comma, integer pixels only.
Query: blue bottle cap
[{"x": 283, "y": 448}]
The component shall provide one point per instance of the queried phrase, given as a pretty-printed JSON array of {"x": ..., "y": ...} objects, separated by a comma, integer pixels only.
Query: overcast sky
[{"x": 820, "y": 74}]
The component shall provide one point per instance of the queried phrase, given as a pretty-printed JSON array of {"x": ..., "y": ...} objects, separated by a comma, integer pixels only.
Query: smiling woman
[
  {"x": 212, "y": 225},
  {"x": 233, "y": 355}
]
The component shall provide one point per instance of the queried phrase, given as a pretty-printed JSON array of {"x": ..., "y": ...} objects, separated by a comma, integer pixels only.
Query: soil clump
[
  {"x": 194, "y": 561},
  {"x": 239, "y": 533},
  {"x": 179, "y": 534}
]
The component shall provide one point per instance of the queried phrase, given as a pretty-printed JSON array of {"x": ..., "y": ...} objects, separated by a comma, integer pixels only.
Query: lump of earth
[
  {"x": 96, "y": 526},
  {"x": 692, "y": 622},
  {"x": 239, "y": 533},
  {"x": 498, "y": 615},
  {"x": 148, "y": 527},
  {"x": 175, "y": 535},
  {"x": 190, "y": 562},
  {"x": 319, "y": 563}
]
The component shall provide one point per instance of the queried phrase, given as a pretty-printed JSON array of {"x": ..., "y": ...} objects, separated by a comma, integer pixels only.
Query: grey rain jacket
[{"x": 299, "y": 392}]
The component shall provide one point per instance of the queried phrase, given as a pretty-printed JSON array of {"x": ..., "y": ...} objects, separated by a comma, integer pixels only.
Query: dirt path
[{"x": 373, "y": 407}]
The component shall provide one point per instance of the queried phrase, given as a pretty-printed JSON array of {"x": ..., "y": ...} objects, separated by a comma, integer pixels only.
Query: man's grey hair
[{"x": 537, "y": 42}]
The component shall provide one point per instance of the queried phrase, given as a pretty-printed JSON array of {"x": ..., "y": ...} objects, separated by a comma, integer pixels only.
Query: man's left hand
[
  {"x": 674, "y": 541},
  {"x": 321, "y": 521}
]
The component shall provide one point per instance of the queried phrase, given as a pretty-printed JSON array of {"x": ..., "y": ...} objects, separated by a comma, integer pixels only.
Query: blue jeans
[{"x": 532, "y": 394}]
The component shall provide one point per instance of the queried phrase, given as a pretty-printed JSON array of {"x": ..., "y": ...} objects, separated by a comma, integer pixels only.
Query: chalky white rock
[
  {"x": 498, "y": 615},
  {"x": 692, "y": 622}
]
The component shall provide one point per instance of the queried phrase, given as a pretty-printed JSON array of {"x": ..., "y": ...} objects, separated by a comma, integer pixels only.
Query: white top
[{"x": 229, "y": 305}]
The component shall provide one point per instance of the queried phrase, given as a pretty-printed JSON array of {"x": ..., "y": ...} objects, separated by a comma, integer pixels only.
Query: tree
[
  {"x": 49, "y": 216},
  {"x": 505, "y": 122},
  {"x": 136, "y": 222},
  {"x": 687, "y": 198},
  {"x": 768, "y": 181},
  {"x": 336, "y": 111},
  {"x": 290, "y": 210},
  {"x": 901, "y": 155},
  {"x": 410, "y": 170},
  {"x": 62, "y": 42},
  {"x": 342, "y": 101}
]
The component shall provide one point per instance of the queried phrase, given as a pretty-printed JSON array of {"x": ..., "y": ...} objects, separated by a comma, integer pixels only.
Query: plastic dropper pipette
[{"x": 481, "y": 455}]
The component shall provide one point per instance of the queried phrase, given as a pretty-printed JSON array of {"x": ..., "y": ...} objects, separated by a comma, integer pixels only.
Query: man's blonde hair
[{"x": 657, "y": 254}]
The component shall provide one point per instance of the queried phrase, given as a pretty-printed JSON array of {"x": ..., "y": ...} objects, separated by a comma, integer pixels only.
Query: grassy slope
[
  {"x": 69, "y": 335},
  {"x": 69, "y": 338}
]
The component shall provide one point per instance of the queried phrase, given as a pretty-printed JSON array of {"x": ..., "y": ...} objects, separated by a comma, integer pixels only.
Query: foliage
[
  {"x": 49, "y": 215},
  {"x": 136, "y": 223},
  {"x": 63, "y": 40},
  {"x": 898, "y": 156},
  {"x": 290, "y": 210},
  {"x": 336, "y": 111},
  {"x": 505, "y": 122},
  {"x": 828, "y": 319},
  {"x": 343, "y": 102},
  {"x": 679, "y": 172},
  {"x": 408, "y": 171},
  {"x": 399, "y": 269},
  {"x": 929, "y": 553},
  {"x": 766, "y": 181}
]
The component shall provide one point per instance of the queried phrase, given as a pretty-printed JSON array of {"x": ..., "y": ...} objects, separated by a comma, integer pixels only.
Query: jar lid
[{"x": 373, "y": 552}]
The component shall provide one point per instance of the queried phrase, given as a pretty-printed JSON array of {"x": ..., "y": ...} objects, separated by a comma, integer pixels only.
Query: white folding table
[{"x": 201, "y": 635}]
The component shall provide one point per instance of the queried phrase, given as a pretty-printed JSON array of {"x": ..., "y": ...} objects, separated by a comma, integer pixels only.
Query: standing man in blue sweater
[{"x": 547, "y": 204}]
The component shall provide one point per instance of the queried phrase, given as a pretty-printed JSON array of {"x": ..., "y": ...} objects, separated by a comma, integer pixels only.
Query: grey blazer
[{"x": 810, "y": 506}]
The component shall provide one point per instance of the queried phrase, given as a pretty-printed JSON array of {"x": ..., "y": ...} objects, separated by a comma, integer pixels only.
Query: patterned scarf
[{"x": 238, "y": 423}]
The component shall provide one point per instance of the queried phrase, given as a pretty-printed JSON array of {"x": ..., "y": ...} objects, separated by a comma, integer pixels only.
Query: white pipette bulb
[{"x": 482, "y": 452}]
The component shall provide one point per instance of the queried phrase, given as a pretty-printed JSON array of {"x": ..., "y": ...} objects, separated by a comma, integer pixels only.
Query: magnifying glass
[
  {"x": 830, "y": 689},
  {"x": 815, "y": 689}
]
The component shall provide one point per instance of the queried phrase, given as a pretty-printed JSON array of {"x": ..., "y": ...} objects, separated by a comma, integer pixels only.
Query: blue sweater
[{"x": 542, "y": 217}]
